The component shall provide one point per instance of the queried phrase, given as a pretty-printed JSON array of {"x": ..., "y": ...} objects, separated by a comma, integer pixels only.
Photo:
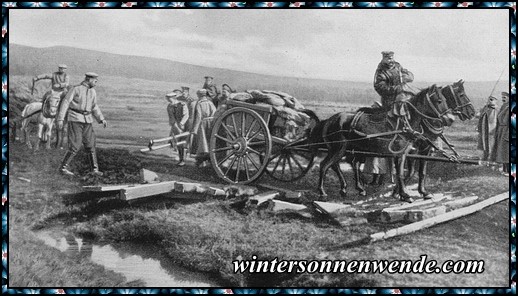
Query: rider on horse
[
  {"x": 59, "y": 80},
  {"x": 391, "y": 83}
]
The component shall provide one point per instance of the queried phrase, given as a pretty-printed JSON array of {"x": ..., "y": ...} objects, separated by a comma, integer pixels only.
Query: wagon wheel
[
  {"x": 290, "y": 163},
  {"x": 240, "y": 145}
]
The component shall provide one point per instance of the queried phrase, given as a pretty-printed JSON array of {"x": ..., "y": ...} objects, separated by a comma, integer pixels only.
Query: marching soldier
[
  {"x": 203, "y": 115},
  {"x": 81, "y": 102},
  {"x": 178, "y": 113},
  {"x": 486, "y": 128},
  {"x": 212, "y": 90},
  {"x": 391, "y": 83}
]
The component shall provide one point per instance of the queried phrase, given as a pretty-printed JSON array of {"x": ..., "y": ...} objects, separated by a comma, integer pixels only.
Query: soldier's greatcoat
[
  {"x": 59, "y": 81},
  {"x": 203, "y": 115},
  {"x": 500, "y": 151},
  {"x": 390, "y": 82},
  {"x": 486, "y": 130},
  {"x": 178, "y": 113}
]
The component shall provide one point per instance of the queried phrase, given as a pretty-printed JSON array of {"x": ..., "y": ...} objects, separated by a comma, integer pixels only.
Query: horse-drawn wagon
[{"x": 250, "y": 139}]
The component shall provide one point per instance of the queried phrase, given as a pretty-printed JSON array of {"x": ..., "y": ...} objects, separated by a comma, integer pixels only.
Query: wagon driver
[
  {"x": 81, "y": 102},
  {"x": 391, "y": 82}
]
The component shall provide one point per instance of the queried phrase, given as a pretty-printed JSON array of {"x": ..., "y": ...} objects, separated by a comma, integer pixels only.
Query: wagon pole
[
  {"x": 496, "y": 83},
  {"x": 421, "y": 157}
]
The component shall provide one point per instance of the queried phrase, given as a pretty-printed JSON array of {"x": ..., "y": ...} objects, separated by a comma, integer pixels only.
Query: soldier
[
  {"x": 212, "y": 90},
  {"x": 59, "y": 80},
  {"x": 81, "y": 102},
  {"x": 191, "y": 104},
  {"x": 486, "y": 128},
  {"x": 203, "y": 115},
  {"x": 178, "y": 113},
  {"x": 500, "y": 151},
  {"x": 391, "y": 83}
]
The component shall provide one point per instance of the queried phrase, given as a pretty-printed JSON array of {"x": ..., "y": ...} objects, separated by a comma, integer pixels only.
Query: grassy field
[{"x": 208, "y": 235}]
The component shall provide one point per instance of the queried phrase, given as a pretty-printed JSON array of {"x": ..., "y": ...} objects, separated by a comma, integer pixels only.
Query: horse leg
[
  {"x": 422, "y": 178},
  {"x": 340, "y": 174},
  {"x": 40, "y": 136},
  {"x": 333, "y": 157},
  {"x": 25, "y": 133},
  {"x": 403, "y": 193},
  {"x": 48, "y": 133},
  {"x": 359, "y": 184}
]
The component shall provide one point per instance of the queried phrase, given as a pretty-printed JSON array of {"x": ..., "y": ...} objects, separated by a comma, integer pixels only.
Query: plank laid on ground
[
  {"x": 439, "y": 219},
  {"x": 283, "y": 206},
  {"x": 437, "y": 198},
  {"x": 213, "y": 191},
  {"x": 105, "y": 188},
  {"x": 263, "y": 197},
  {"x": 286, "y": 193},
  {"x": 184, "y": 187},
  {"x": 412, "y": 212},
  {"x": 130, "y": 193},
  {"x": 329, "y": 207},
  {"x": 459, "y": 203},
  {"x": 345, "y": 215}
]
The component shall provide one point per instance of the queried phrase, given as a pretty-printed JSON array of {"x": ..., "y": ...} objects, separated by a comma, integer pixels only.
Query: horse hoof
[
  {"x": 427, "y": 196},
  {"x": 407, "y": 199},
  {"x": 363, "y": 193}
]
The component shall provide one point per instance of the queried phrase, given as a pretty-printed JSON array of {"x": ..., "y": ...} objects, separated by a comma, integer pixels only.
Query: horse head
[
  {"x": 431, "y": 103},
  {"x": 458, "y": 101}
]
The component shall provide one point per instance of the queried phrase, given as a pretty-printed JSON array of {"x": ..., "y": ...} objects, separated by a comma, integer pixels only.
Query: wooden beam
[
  {"x": 134, "y": 192},
  {"x": 263, "y": 197},
  {"x": 106, "y": 188},
  {"x": 439, "y": 219},
  {"x": 459, "y": 203}
]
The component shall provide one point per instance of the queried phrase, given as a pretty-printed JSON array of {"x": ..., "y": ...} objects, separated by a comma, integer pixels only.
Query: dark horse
[{"x": 370, "y": 130}]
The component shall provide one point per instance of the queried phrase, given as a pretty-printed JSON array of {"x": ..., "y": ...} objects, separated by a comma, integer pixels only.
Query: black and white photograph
[{"x": 321, "y": 149}]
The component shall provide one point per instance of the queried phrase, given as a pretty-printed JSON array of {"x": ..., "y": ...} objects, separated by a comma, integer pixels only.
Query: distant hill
[{"x": 29, "y": 61}]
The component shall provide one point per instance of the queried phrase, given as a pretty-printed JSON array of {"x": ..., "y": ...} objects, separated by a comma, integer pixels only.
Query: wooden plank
[
  {"x": 448, "y": 216},
  {"x": 437, "y": 198},
  {"x": 213, "y": 191},
  {"x": 279, "y": 205},
  {"x": 106, "y": 188},
  {"x": 352, "y": 221},
  {"x": 134, "y": 192},
  {"x": 147, "y": 176},
  {"x": 286, "y": 193},
  {"x": 184, "y": 187},
  {"x": 459, "y": 203},
  {"x": 263, "y": 197},
  {"x": 329, "y": 207}
]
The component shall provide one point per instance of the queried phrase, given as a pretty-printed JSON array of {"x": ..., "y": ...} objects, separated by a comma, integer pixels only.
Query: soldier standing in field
[
  {"x": 486, "y": 128},
  {"x": 203, "y": 115},
  {"x": 191, "y": 104},
  {"x": 500, "y": 151},
  {"x": 178, "y": 113},
  {"x": 81, "y": 102},
  {"x": 391, "y": 82},
  {"x": 212, "y": 90}
]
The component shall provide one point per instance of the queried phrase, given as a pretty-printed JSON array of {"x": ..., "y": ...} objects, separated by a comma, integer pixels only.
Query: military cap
[
  {"x": 492, "y": 98},
  {"x": 62, "y": 66},
  {"x": 209, "y": 77},
  {"x": 202, "y": 92},
  {"x": 91, "y": 75},
  {"x": 174, "y": 93},
  {"x": 505, "y": 94},
  {"x": 185, "y": 88},
  {"x": 387, "y": 54}
]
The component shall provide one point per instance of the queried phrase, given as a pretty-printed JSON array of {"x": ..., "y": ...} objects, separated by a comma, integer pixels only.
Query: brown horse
[{"x": 373, "y": 131}]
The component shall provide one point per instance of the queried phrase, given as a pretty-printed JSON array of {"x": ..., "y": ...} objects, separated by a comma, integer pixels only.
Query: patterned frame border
[{"x": 289, "y": 5}]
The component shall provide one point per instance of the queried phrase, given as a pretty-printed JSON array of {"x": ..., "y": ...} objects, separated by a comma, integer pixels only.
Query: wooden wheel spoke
[
  {"x": 243, "y": 121},
  {"x": 228, "y": 131},
  {"x": 246, "y": 169},
  {"x": 252, "y": 161},
  {"x": 252, "y": 126},
  {"x": 238, "y": 168},
  {"x": 277, "y": 164},
  {"x": 235, "y": 125},
  {"x": 223, "y": 149},
  {"x": 255, "y": 144},
  {"x": 297, "y": 163},
  {"x": 225, "y": 158},
  {"x": 253, "y": 150},
  {"x": 289, "y": 165},
  {"x": 231, "y": 165},
  {"x": 224, "y": 139},
  {"x": 254, "y": 135},
  {"x": 283, "y": 165}
]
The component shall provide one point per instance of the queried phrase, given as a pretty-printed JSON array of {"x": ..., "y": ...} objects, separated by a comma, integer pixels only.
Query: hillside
[{"x": 29, "y": 61}]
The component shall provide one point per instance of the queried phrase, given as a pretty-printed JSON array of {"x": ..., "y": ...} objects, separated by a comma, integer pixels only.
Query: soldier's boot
[
  {"x": 181, "y": 156},
  {"x": 63, "y": 169},
  {"x": 93, "y": 163}
]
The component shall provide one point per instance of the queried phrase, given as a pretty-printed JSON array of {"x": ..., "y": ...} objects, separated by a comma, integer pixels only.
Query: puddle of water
[{"x": 134, "y": 261}]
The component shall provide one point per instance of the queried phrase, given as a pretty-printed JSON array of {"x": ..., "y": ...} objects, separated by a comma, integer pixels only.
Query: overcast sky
[{"x": 341, "y": 44}]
